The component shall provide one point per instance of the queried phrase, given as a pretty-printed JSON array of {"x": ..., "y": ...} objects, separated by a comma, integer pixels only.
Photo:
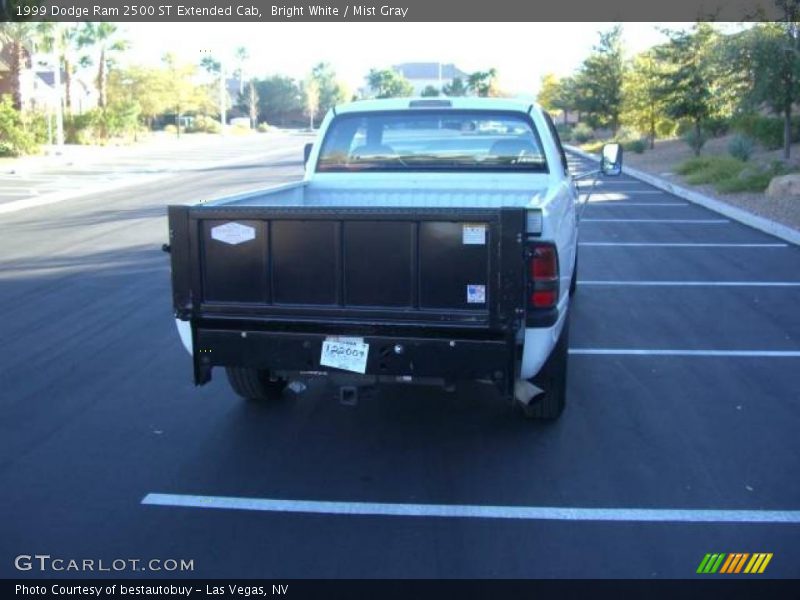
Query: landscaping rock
[{"x": 784, "y": 185}]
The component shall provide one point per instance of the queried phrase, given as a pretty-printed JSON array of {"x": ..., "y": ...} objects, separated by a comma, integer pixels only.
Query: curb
[{"x": 737, "y": 214}]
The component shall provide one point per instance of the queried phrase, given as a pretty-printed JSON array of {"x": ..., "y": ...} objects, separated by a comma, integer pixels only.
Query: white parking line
[
  {"x": 682, "y": 245},
  {"x": 684, "y": 221},
  {"x": 607, "y": 204},
  {"x": 476, "y": 511},
  {"x": 629, "y": 192},
  {"x": 693, "y": 283},
  {"x": 719, "y": 353}
]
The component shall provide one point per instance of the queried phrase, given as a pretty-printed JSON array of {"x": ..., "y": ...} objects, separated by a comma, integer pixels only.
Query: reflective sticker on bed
[
  {"x": 474, "y": 234},
  {"x": 233, "y": 233},
  {"x": 476, "y": 294}
]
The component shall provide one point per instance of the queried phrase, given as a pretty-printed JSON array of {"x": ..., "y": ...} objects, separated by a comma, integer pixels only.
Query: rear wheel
[
  {"x": 553, "y": 380},
  {"x": 573, "y": 284},
  {"x": 255, "y": 384}
]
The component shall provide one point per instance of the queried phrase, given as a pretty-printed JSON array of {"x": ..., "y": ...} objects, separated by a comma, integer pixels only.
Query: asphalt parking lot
[{"x": 680, "y": 435}]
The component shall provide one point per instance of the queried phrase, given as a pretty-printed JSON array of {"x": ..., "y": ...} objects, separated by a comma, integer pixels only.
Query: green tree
[
  {"x": 600, "y": 81},
  {"x": 331, "y": 91},
  {"x": 481, "y": 83},
  {"x": 61, "y": 39},
  {"x": 388, "y": 83},
  {"x": 20, "y": 37},
  {"x": 429, "y": 92},
  {"x": 103, "y": 40},
  {"x": 14, "y": 138},
  {"x": 241, "y": 56},
  {"x": 766, "y": 62},
  {"x": 455, "y": 88},
  {"x": 689, "y": 76},
  {"x": 183, "y": 95},
  {"x": 548, "y": 92},
  {"x": 148, "y": 87},
  {"x": 279, "y": 99},
  {"x": 643, "y": 106}
]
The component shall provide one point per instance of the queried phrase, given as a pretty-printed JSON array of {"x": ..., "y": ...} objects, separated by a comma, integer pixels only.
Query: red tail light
[
  {"x": 544, "y": 263},
  {"x": 543, "y": 276}
]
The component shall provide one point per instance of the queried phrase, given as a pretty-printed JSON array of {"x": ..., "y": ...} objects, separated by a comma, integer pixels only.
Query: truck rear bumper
[{"x": 445, "y": 358}]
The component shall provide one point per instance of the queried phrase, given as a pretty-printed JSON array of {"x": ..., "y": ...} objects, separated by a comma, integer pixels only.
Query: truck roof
[{"x": 455, "y": 103}]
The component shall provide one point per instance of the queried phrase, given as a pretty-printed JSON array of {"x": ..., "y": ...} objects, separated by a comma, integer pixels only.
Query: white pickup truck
[{"x": 431, "y": 241}]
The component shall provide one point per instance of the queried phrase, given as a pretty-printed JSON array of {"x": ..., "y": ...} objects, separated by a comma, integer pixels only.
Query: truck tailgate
[{"x": 368, "y": 267}]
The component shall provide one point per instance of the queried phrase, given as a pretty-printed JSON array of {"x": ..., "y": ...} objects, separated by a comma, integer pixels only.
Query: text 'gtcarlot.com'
[{"x": 45, "y": 562}]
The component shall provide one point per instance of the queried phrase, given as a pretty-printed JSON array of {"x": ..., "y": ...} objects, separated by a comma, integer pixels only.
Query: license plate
[{"x": 348, "y": 354}]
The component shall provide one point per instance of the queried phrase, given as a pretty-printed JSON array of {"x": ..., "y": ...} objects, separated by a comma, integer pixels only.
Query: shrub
[
  {"x": 711, "y": 169},
  {"x": 563, "y": 129},
  {"x": 768, "y": 131},
  {"x": 753, "y": 178},
  {"x": 15, "y": 139},
  {"x": 637, "y": 146},
  {"x": 683, "y": 127},
  {"x": 202, "y": 124},
  {"x": 564, "y": 132},
  {"x": 696, "y": 140},
  {"x": 666, "y": 128},
  {"x": 626, "y": 134},
  {"x": 729, "y": 175},
  {"x": 36, "y": 124},
  {"x": 593, "y": 147},
  {"x": 582, "y": 133},
  {"x": 264, "y": 127},
  {"x": 741, "y": 147},
  {"x": 170, "y": 128},
  {"x": 717, "y": 126},
  {"x": 240, "y": 129}
]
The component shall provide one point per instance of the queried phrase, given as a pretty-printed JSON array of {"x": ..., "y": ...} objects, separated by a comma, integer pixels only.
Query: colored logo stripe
[
  {"x": 733, "y": 563},
  {"x": 710, "y": 563},
  {"x": 758, "y": 563}
]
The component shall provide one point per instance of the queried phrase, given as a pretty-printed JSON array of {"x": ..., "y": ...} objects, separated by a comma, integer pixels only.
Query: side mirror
[
  {"x": 611, "y": 160},
  {"x": 307, "y": 153}
]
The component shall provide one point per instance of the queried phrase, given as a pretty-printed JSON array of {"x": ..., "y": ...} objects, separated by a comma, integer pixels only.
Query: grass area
[{"x": 728, "y": 174}]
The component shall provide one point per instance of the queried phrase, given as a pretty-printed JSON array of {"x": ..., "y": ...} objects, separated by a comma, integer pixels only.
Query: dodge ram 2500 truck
[{"x": 431, "y": 240}]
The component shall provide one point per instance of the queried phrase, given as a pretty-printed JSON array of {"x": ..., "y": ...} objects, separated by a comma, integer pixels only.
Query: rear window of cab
[{"x": 416, "y": 140}]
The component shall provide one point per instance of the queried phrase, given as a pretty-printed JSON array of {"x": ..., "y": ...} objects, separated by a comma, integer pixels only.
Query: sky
[{"x": 521, "y": 52}]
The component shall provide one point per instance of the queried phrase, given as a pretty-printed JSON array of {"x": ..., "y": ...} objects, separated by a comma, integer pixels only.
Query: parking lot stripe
[
  {"x": 693, "y": 283},
  {"x": 476, "y": 511},
  {"x": 684, "y": 221},
  {"x": 681, "y": 245},
  {"x": 627, "y": 192},
  {"x": 679, "y": 352},
  {"x": 623, "y": 204}
]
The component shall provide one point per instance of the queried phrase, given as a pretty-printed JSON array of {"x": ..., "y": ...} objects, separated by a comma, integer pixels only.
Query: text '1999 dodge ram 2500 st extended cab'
[{"x": 431, "y": 240}]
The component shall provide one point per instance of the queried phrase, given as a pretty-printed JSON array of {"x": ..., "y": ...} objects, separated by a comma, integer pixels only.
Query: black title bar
[{"x": 390, "y": 10}]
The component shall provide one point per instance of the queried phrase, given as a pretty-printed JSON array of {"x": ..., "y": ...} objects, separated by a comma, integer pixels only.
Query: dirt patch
[{"x": 669, "y": 154}]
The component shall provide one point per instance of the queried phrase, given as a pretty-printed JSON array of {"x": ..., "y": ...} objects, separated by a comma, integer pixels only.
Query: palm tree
[
  {"x": 242, "y": 56},
  {"x": 19, "y": 37},
  {"x": 100, "y": 36},
  {"x": 60, "y": 38}
]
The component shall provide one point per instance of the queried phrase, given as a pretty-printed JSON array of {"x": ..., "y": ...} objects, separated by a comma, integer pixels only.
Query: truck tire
[
  {"x": 255, "y": 384},
  {"x": 553, "y": 380},
  {"x": 573, "y": 284}
]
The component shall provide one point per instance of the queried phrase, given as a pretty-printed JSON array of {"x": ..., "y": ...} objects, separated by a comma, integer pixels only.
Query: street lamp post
[{"x": 222, "y": 95}]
